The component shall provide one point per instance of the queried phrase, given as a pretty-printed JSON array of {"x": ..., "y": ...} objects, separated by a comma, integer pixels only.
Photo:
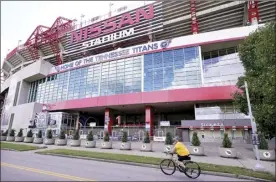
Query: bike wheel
[
  {"x": 167, "y": 166},
  {"x": 192, "y": 169}
]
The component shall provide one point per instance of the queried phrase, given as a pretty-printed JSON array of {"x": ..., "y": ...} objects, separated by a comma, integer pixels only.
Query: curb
[
  {"x": 154, "y": 166},
  {"x": 10, "y": 149}
]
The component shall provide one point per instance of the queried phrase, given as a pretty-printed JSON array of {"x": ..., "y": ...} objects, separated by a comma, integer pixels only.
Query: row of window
[{"x": 180, "y": 68}]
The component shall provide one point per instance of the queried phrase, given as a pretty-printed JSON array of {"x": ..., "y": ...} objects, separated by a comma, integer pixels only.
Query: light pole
[
  {"x": 18, "y": 42},
  {"x": 82, "y": 15},
  {"x": 258, "y": 166}
]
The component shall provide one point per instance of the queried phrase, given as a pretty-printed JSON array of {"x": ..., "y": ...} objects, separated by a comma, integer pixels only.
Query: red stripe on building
[{"x": 179, "y": 95}]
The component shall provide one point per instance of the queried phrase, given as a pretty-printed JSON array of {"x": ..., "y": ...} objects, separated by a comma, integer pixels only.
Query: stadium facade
[{"x": 160, "y": 67}]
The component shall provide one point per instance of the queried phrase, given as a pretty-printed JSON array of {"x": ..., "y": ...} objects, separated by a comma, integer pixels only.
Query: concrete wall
[
  {"x": 23, "y": 92},
  {"x": 23, "y": 111},
  {"x": 23, "y": 114},
  {"x": 215, "y": 135},
  {"x": 32, "y": 72}
]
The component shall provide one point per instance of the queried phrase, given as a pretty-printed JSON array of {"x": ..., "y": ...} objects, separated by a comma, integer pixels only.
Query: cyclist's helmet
[{"x": 175, "y": 139}]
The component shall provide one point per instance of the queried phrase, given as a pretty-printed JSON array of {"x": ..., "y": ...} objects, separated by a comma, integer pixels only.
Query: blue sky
[{"x": 20, "y": 18}]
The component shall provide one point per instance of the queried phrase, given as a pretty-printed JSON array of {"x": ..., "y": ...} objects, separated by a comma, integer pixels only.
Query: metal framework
[
  {"x": 58, "y": 29},
  {"x": 43, "y": 35},
  {"x": 193, "y": 17},
  {"x": 253, "y": 12},
  {"x": 35, "y": 40}
]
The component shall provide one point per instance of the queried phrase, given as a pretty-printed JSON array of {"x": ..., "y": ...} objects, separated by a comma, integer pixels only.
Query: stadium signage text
[
  {"x": 112, "y": 24},
  {"x": 108, "y": 38},
  {"x": 118, "y": 54}
]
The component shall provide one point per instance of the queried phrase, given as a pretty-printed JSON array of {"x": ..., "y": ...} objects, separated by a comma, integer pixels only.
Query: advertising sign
[
  {"x": 113, "y": 24},
  {"x": 113, "y": 55},
  {"x": 164, "y": 123}
]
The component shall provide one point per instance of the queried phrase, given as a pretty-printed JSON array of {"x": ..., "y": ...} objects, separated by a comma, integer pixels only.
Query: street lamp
[
  {"x": 82, "y": 15},
  {"x": 258, "y": 166},
  {"x": 18, "y": 42}
]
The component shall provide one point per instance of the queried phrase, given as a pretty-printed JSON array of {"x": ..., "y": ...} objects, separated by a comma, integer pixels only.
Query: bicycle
[{"x": 187, "y": 170}]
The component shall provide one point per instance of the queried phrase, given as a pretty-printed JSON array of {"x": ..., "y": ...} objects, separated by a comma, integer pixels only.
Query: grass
[
  {"x": 156, "y": 161},
  {"x": 17, "y": 147}
]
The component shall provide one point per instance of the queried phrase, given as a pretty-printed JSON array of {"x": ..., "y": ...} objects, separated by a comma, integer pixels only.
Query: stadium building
[{"x": 159, "y": 67}]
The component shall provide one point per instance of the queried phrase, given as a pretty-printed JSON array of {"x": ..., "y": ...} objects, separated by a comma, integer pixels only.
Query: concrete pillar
[
  {"x": 77, "y": 121},
  {"x": 23, "y": 92},
  {"x": 108, "y": 120},
  {"x": 149, "y": 120}
]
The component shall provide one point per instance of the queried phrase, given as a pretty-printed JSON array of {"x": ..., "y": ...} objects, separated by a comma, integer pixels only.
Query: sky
[{"x": 20, "y": 18}]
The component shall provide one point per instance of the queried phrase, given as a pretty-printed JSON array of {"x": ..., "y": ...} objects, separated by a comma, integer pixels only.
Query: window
[{"x": 178, "y": 68}]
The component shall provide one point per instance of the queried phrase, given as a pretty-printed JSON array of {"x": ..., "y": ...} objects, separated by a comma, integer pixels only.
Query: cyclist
[{"x": 181, "y": 150}]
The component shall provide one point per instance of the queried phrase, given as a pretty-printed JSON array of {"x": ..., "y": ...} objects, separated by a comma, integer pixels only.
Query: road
[{"x": 27, "y": 166}]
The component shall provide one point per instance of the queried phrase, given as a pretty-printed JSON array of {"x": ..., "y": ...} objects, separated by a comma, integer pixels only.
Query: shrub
[
  {"x": 30, "y": 133},
  {"x": 62, "y": 135},
  {"x": 76, "y": 135},
  {"x": 4, "y": 133},
  {"x": 169, "y": 139},
  {"x": 39, "y": 134},
  {"x": 20, "y": 133},
  {"x": 263, "y": 143},
  {"x": 195, "y": 140},
  {"x": 106, "y": 137},
  {"x": 12, "y": 133},
  {"x": 147, "y": 139},
  {"x": 226, "y": 143},
  {"x": 49, "y": 134},
  {"x": 90, "y": 137},
  {"x": 124, "y": 138}
]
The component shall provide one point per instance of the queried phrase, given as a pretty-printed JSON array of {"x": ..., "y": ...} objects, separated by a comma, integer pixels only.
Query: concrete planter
[
  {"x": 266, "y": 155},
  {"x": 3, "y": 138},
  {"x": 10, "y": 139},
  {"x": 19, "y": 139},
  {"x": 228, "y": 152},
  {"x": 61, "y": 142},
  {"x": 38, "y": 140},
  {"x": 49, "y": 141},
  {"x": 125, "y": 146},
  {"x": 168, "y": 148},
  {"x": 28, "y": 140},
  {"x": 106, "y": 145},
  {"x": 196, "y": 150},
  {"x": 90, "y": 144},
  {"x": 146, "y": 147},
  {"x": 75, "y": 143}
]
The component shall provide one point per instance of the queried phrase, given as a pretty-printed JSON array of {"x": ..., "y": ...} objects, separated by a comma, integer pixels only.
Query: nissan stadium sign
[
  {"x": 118, "y": 54},
  {"x": 108, "y": 38},
  {"x": 113, "y": 24},
  {"x": 133, "y": 24}
]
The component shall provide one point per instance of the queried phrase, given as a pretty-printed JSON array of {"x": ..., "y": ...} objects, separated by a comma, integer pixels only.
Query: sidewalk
[{"x": 243, "y": 162}]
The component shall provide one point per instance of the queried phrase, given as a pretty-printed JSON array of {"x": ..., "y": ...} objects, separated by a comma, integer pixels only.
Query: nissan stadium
[{"x": 163, "y": 66}]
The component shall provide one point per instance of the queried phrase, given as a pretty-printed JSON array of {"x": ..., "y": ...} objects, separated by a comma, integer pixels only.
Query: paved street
[
  {"x": 27, "y": 166},
  {"x": 244, "y": 161}
]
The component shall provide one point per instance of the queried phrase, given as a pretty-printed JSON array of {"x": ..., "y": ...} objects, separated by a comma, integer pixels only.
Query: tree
[
  {"x": 30, "y": 134},
  {"x": 195, "y": 140},
  {"x": 5, "y": 133},
  {"x": 49, "y": 134},
  {"x": 147, "y": 139},
  {"x": 257, "y": 54},
  {"x": 20, "y": 133},
  {"x": 169, "y": 139},
  {"x": 39, "y": 135},
  {"x": 62, "y": 135},
  {"x": 263, "y": 143},
  {"x": 76, "y": 135},
  {"x": 124, "y": 138},
  {"x": 12, "y": 132},
  {"x": 106, "y": 137},
  {"x": 90, "y": 137},
  {"x": 226, "y": 143}
]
